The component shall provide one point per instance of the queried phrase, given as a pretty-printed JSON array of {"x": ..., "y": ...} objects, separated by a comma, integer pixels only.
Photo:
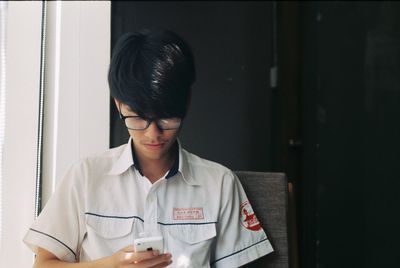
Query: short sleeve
[
  {"x": 60, "y": 227},
  {"x": 240, "y": 237}
]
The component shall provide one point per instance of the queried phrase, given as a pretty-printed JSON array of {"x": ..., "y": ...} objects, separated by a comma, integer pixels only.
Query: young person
[{"x": 150, "y": 186}]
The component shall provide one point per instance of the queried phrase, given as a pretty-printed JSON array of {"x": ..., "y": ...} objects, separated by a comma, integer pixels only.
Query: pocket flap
[
  {"x": 192, "y": 234},
  {"x": 109, "y": 227}
]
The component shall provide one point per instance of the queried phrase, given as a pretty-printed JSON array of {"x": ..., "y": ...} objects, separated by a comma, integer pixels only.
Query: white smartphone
[{"x": 149, "y": 243}]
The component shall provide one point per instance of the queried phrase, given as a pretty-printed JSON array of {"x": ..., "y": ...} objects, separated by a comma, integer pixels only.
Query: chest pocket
[
  {"x": 190, "y": 245},
  {"x": 106, "y": 235},
  {"x": 110, "y": 228},
  {"x": 192, "y": 234}
]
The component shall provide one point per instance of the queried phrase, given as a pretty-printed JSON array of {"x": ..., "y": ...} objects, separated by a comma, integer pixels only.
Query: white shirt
[{"x": 103, "y": 203}]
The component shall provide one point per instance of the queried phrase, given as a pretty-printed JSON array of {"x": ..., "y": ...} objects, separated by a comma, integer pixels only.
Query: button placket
[{"x": 151, "y": 213}]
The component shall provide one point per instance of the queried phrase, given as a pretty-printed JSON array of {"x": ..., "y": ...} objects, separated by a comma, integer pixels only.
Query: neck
[{"x": 154, "y": 169}]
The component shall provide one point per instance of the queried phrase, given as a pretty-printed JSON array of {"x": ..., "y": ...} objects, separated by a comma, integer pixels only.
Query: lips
[{"x": 154, "y": 146}]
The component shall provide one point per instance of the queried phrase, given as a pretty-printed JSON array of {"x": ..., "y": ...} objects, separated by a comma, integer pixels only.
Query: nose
[{"x": 153, "y": 131}]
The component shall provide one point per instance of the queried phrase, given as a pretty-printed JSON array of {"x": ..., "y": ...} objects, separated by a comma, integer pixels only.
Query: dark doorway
[{"x": 351, "y": 130}]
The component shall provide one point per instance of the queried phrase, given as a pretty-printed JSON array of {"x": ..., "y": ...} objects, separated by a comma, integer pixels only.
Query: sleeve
[
  {"x": 240, "y": 237},
  {"x": 60, "y": 227}
]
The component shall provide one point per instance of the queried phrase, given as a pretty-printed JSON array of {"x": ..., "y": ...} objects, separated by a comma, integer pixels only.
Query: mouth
[{"x": 154, "y": 146}]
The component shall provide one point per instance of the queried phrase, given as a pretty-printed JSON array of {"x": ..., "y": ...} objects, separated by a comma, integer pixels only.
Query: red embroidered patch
[
  {"x": 247, "y": 217},
  {"x": 188, "y": 214}
]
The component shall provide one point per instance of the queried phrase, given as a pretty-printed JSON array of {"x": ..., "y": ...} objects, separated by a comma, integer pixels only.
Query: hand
[{"x": 128, "y": 258}]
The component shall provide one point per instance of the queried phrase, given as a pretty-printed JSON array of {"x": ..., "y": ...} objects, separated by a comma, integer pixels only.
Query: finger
[
  {"x": 158, "y": 260},
  {"x": 162, "y": 265},
  {"x": 136, "y": 257}
]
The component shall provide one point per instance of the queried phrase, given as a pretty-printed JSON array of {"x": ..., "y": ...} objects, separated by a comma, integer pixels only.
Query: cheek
[
  {"x": 172, "y": 135},
  {"x": 135, "y": 135}
]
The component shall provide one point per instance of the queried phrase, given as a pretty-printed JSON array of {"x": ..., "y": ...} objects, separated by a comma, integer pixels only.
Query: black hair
[{"x": 152, "y": 73}]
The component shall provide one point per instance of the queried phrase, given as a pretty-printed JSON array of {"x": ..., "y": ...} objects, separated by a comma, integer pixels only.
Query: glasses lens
[
  {"x": 135, "y": 123},
  {"x": 169, "y": 123}
]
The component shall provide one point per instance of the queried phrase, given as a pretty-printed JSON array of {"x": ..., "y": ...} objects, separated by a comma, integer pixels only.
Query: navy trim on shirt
[
  {"x": 59, "y": 241},
  {"x": 137, "y": 217},
  {"x": 114, "y": 217},
  {"x": 212, "y": 263},
  {"x": 188, "y": 223},
  {"x": 135, "y": 160},
  {"x": 174, "y": 169}
]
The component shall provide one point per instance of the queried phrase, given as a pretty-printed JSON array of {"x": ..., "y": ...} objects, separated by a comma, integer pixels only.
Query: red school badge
[{"x": 247, "y": 217}]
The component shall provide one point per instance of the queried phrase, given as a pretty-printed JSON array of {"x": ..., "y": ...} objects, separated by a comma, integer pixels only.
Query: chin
[{"x": 154, "y": 155}]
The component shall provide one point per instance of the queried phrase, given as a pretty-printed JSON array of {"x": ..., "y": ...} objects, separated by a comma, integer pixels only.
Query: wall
[
  {"x": 77, "y": 95},
  {"x": 230, "y": 117},
  {"x": 19, "y": 156},
  {"x": 76, "y": 106}
]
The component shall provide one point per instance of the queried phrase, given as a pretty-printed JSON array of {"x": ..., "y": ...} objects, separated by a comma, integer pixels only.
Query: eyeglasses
[{"x": 135, "y": 122}]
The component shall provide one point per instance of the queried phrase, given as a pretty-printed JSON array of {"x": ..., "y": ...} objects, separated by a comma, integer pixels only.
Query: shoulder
[
  {"x": 100, "y": 162},
  {"x": 208, "y": 170},
  {"x": 198, "y": 162}
]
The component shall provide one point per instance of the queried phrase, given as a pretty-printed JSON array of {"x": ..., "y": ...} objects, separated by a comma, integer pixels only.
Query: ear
[{"x": 117, "y": 103}]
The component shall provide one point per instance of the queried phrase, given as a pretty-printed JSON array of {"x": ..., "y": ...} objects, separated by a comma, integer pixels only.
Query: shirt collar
[
  {"x": 184, "y": 168},
  {"x": 128, "y": 158},
  {"x": 124, "y": 161}
]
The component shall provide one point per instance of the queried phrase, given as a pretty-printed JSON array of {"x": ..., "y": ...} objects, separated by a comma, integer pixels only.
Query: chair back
[{"x": 268, "y": 195}]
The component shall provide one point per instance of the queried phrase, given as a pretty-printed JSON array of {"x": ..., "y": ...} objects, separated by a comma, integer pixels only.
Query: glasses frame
[{"x": 148, "y": 121}]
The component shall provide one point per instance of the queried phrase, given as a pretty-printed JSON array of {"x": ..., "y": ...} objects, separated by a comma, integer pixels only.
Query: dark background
[
  {"x": 231, "y": 97},
  {"x": 331, "y": 123}
]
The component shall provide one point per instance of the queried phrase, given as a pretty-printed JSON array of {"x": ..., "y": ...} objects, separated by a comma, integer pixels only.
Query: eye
[{"x": 136, "y": 119}]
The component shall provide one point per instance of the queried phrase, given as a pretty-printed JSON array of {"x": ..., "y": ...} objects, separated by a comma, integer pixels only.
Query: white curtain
[
  {"x": 3, "y": 20},
  {"x": 76, "y": 105}
]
